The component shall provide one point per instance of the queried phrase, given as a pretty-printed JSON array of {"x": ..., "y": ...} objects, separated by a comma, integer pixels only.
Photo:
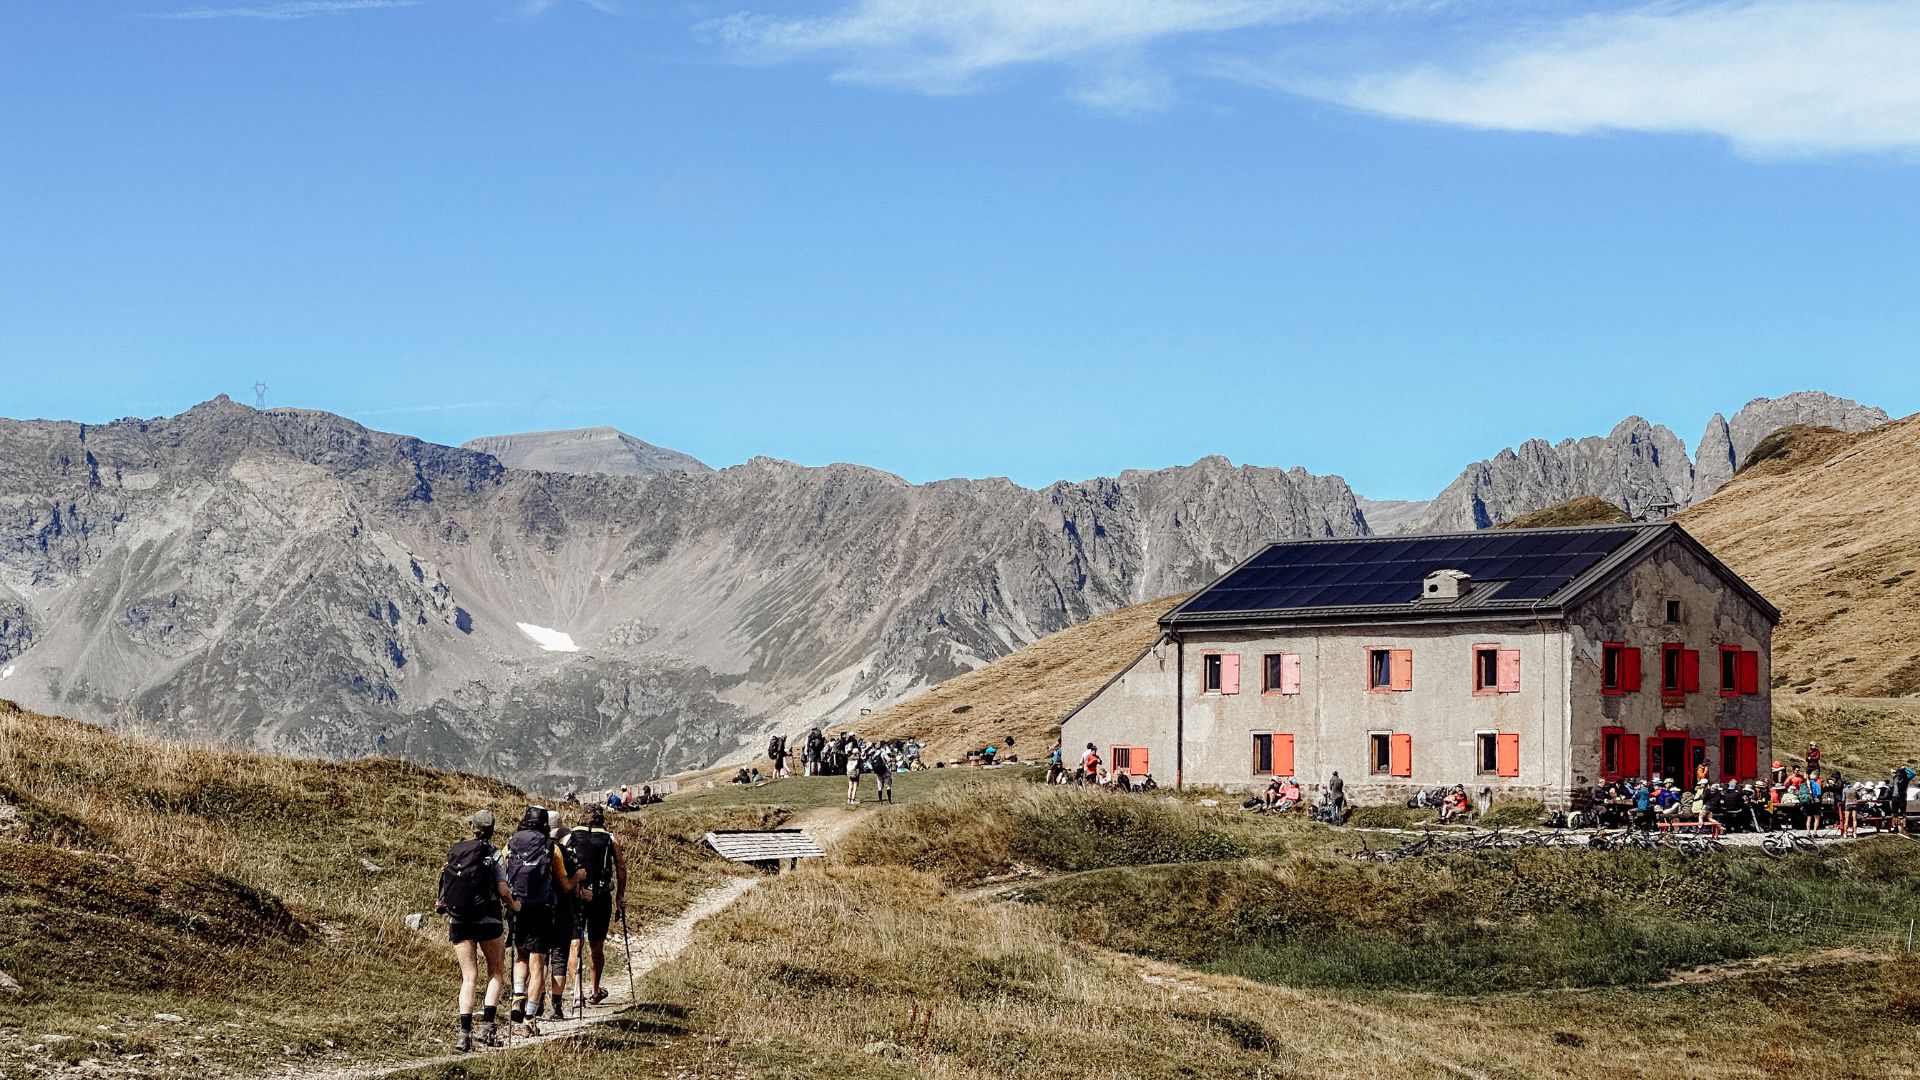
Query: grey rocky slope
[
  {"x": 290, "y": 580},
  {"x": 1639, "y": 467},
  {"x": 601, "y": 450}
]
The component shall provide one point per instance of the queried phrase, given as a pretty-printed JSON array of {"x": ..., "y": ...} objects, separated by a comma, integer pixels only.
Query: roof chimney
[{"x": 1446, "y": 585}]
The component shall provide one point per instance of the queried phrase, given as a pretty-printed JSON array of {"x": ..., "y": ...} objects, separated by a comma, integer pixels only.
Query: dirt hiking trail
[{"x": 653, "y": 946}]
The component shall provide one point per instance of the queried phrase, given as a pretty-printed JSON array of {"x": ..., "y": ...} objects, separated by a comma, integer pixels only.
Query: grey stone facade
[{"x": 1554, "y": 717}]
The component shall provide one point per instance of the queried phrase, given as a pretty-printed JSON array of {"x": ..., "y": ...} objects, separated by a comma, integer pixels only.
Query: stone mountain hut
[{"x": 1533, "y": 662}]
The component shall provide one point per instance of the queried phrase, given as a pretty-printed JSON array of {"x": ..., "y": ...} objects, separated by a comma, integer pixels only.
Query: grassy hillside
[
  {"x": 1827, "y": 525},
  {"x": 1585, "y": 510},
  {"x": 261, "y": 898},
  {"x": 1155, "y": 938},
  {"x": 1025, "y": 693}
]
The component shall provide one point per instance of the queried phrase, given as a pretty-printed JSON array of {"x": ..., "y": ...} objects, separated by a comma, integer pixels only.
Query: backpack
[
  {"x": 466, "y": 882},
  {"x": 592, "y": 851},
  {"x": 530, "y": 867}
]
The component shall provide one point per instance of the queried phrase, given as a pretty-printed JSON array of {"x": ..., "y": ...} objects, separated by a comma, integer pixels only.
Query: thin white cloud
[
  {"x": 1776, "y": 78},
  {"x": 945, "y": 46},
  {"x": 289, "y": 9},
  {"x": 535, "y": 8}
]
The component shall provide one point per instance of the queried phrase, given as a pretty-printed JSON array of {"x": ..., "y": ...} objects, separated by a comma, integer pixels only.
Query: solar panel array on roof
[{"x": 1356, "y": 573}]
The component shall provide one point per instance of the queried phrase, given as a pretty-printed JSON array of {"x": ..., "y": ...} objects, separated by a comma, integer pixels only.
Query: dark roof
[{"x": 1522, "y": 572}]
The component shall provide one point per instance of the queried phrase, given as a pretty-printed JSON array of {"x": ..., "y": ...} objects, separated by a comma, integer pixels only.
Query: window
[
  {"x": 1389, "y": 754},
  {"x": 1280, "y": 673},
  {"x": 1729, "y": 755},
  {"x": 1210, "y": 667},
  {"x": 1619, "y": 668},
  {"x": 1389, "y": 669},
  {"x": 1679, "y": 673},
  {"x": 1486, "y": 669},
  {"x": 1673, "y": 610},
  {"x": 1272, "y": 755},
  {"x": 1729, "y": 670},
  {"x": 1619, "y": 753},
  {"x": 1132, "y": 760},
  {"x": 1495, "y": 670},
  {"x": 1486, "y": 753}
]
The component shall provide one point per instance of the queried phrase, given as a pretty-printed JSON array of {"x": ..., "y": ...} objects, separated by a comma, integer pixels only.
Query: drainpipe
[{"x": 1179, "y": 710}]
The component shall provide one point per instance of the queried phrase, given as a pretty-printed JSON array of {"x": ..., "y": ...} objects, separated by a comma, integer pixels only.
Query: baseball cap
[{"x": 481, "y": 819}]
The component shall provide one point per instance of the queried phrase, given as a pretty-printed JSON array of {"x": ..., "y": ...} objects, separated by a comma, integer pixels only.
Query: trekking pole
[
  {"x": 513, "y": 982},
  {"x": 626, "y": 946}
]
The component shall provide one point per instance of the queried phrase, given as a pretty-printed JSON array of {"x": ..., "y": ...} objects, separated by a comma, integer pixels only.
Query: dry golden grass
[
  {"x": 1026, "y": 693},
  {"x": 1585, "y": 510},
  {"x": 1827, "y": 526},
  {"x": 234, "y": 888}
]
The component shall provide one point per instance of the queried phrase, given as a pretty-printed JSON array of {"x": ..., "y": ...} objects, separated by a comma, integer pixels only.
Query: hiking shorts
[
  {"x": 533, "y": 929},
  {"x": 478, "y": 930},
  {"x": 599, "y": 917}
]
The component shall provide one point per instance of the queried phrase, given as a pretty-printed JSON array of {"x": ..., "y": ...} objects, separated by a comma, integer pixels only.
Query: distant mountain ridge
[
  {"x": 1638, "y": 467},
  {"x": 290, "y": 580},
  {"x": 602, "y": 450}
]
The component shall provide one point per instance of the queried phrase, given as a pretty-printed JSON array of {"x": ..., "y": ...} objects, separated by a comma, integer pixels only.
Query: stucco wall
[
  {"x": 1335, "y": 712},
  {"x": 1631, "y": 610}
]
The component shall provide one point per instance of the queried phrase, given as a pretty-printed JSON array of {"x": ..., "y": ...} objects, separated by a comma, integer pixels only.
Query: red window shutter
[
  {"x": 1400, "y": 664},
  {"x": 1230, "y": 673},
  {"x": 1690, "y": 670},
  {"x": 1507, "y": 754},
  {"x": 1290, "y": 673},
  {"x": 1630, "y": 668},
  {"x": 1140, "y": 761},
  {"x": 1400, "y": 755},
  {"x": 1630, "y": 755},
  {"x": 1509, "y": 671},
  {"x": 1749, "y": 672},
  {"x": 1283, "y": 755},
  {"x": 1749, "y": 757}
]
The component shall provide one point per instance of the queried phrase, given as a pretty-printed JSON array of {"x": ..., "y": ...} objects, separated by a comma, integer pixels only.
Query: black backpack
[
  {"x": 466, "y": 882},
  {"x": 530, "y": 867},
  {"x": 592, "y": 850}
]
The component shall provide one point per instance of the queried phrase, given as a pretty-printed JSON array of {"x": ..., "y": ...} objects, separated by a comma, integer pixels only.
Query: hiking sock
[
  {"x": 489, "y": 1014},
  {"x": 519, "y": 1013},
  {"x": 466, "y": 1021}
]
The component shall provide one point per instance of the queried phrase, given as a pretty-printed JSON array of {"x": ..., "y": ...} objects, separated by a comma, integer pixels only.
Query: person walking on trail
[
  {"x": 473, "y": 885},
  {"x": 536, "y": 872},
  {"x": 601, "y": 866},
  {"x": 853, "y": 776},
  {"x": 1090, "y": 766},
  {"x": 882, "y": 774},
  {"x": 563, "y": 954}
]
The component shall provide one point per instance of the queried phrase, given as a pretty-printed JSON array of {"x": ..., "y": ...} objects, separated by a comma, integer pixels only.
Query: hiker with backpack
[
  {"x": 880, "y": 762},
  {"x": 563, "y": 954},
  {"x": 473, "y": 885},
  {"x": 601, "y": 863},
  {"x": 853, "y": 774},
  {"x": 536, "y": 872}
]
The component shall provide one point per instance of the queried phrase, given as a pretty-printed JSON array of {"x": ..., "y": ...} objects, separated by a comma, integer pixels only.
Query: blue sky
[{"x": 1039, "y": 238}]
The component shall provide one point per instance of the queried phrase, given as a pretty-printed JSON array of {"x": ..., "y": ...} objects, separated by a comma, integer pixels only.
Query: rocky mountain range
[
  {"x": 1639, "y": 467},
  {"x": 601, "y": 450},
  {"x": 290, "y": 580}
]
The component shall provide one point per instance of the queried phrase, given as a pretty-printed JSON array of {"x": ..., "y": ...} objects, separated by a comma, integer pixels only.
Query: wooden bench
[
  {"x": 1880, "y": 822},
  {"x": 1709, "y": 827}
]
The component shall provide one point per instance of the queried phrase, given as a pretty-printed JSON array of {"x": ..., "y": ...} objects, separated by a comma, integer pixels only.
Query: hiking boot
[
  {"x": 531, "y": 1029},
  {"x": 489, "y": 1035},
  {"x": 464, "y": 1044},
  {"x": 558, "y": 1012},
  {"x": 599, "y": 996}
]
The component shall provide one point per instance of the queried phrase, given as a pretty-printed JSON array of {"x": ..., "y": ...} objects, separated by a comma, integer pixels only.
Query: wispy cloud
[
  {"x": 946, "y": 46},
  {"x": 288, "y": 9},
  {"x": 1776, "y": 78},
  {"x": 535, "y": 8}
]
